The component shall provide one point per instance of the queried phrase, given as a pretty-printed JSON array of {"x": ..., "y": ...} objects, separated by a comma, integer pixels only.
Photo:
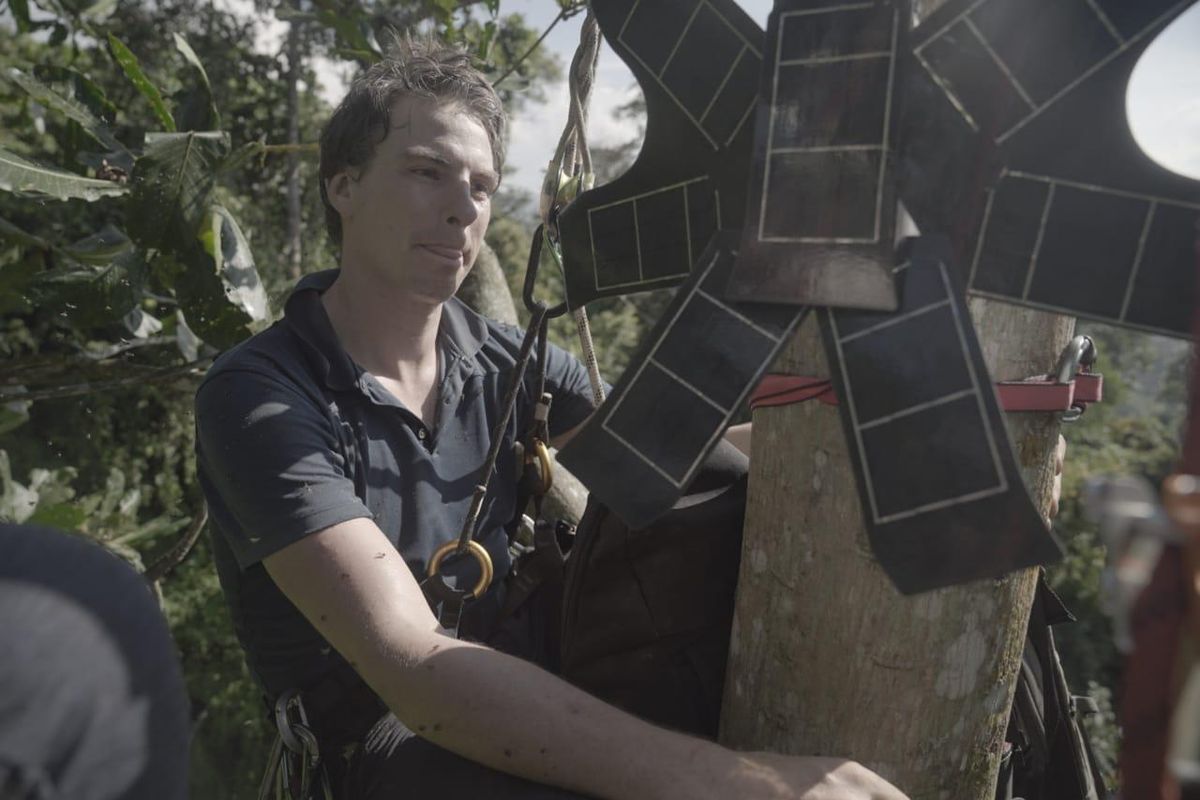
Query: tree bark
[
  {"x": 486, "y": 291},
  {"x": 826, "y": 657}
]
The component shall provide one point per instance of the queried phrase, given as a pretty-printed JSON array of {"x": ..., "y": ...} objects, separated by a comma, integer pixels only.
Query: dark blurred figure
[{"x": 92, "y": 703}]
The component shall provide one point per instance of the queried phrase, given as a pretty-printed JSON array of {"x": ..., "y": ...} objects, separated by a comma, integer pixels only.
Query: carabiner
[{"x": 531, "y": 272}]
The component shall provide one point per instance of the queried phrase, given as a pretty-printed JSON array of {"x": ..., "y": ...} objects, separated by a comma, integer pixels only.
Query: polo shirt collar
[{"x": 462, "y": 331}]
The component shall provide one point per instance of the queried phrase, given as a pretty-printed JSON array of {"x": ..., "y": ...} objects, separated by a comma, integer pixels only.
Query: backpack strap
[{"x": 1052, "y": 758}]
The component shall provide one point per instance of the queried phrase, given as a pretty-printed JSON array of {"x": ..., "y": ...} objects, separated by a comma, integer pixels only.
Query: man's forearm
[{"x": 510, "y": 715}]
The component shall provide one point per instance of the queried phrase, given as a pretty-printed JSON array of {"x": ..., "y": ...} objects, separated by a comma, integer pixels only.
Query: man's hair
[{"x": 413, "y": 66}]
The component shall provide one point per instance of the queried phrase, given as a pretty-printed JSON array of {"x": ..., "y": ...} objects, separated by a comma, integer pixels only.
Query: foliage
[{"x": 1135, "y": 431}]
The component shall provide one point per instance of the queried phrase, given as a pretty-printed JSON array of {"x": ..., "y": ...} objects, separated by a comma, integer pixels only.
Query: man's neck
[{"x": 388, "y": 332}]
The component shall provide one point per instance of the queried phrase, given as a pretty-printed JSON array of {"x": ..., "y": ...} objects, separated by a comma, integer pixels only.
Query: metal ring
[
  {"x": 546, "y": 475},
  {"x": 475, "y": 549}
]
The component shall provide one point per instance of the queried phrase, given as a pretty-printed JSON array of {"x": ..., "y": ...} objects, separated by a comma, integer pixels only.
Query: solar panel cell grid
[
  {"x": 702, "y": 53},
  {"x": 902, "y": 491},
  {"x": 910, "y": 386}
]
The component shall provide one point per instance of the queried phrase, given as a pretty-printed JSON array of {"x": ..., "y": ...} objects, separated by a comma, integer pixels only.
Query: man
[{"x": 339, "y": 449}]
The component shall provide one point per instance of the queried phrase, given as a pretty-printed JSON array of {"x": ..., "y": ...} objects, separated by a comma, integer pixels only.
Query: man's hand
[
  {"x": 769, "y": 775},
  {"x": 1060, "y": 455}
]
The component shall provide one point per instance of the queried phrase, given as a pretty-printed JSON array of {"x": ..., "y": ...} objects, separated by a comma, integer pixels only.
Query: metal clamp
[
  {"x": 1077, "y": 358},
  {"x": 481, "y": 556},
  {"x": 1068, "y": 390},
  {"x": 1079, "y": 354}
]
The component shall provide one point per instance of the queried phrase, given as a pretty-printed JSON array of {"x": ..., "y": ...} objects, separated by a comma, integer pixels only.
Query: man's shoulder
[{"x": 270, "y": 360}]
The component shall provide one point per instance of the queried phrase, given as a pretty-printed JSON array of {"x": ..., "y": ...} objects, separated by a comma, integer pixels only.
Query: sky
[{"x": 1163, "y": 102}]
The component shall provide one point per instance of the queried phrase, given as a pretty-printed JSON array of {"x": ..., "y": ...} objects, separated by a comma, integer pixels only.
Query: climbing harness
[
  {"x": 449, "y": 601},
  {"x": 294, "y": 768}
]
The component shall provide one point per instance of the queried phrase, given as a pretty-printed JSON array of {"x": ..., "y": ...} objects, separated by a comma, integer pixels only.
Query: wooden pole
[{"x": 826, "y": 657}]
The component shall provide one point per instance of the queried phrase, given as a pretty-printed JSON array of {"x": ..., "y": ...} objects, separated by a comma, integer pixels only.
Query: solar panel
[
  {"x": 697, "y": 62},
  {"x": 915, "y": 390},
  {"x": 1059, "y": 209},
  {"x": 644, "y": 445},
  {"x": 821, "y": 221}
]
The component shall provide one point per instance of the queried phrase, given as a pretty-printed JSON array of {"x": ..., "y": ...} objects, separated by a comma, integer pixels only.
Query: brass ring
[
  {"x": 475, "y": 549},
  {"x": 546, "y": 476}
]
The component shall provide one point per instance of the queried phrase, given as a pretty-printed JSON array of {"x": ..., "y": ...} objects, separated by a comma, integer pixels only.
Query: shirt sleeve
[
  {"x": 567, "y": 380},
  {"x": 272, "y": 463}
]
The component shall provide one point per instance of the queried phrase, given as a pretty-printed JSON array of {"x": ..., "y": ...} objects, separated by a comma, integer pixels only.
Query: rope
[{"x": 571, "y": 170}]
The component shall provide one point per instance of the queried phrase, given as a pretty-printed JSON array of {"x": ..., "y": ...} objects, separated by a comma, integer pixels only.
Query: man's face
[{"x": 414, "y": 217}]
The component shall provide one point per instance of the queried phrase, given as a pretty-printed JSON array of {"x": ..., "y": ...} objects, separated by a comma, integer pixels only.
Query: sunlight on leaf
[
  {"x": 133, "y": 70},
  {"x": 22, "y": 176}
]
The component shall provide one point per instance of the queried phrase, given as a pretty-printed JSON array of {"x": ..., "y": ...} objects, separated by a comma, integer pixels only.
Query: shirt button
[{"x": 421, "y": 434}]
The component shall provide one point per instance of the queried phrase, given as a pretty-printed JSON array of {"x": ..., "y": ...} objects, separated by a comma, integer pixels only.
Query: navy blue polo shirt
[{"x": 293, "y": 437}]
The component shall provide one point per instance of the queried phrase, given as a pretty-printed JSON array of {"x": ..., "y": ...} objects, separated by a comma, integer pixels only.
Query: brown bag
[{"x": 647, "y": 613}]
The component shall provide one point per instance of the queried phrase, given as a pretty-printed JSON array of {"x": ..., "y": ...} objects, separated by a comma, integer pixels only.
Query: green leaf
[
  {"x": 15, "y": 279},
  {"x": 20, "y": 12},
  {"x": 83, "y": 89},
  {"x": 17, "y": 501},
  {"x": 133, "y": 70},
  {"x": 351, "y": 29},
  {"x": 64, "y": 516},
  {"x": 217, "y": 285},
  {"x": 195, "y": 109},
  {"x": 99, "y": 10},
  {"x": 228, "y": 247},
  {"x": 68, "y": 107},
  {"x": 485, "y": 41},
  {"x": 12, "y": 233},
  {"x": 14, "y": 414},
  {"x": 292, "y": 15},
  {"x": 94, "y": 296},
  {"x": 101, "y": 247},
  {"x": 26, "y": 177},
  {"x": 58, "y": 35},
  {"x": 171, "y": 185}
]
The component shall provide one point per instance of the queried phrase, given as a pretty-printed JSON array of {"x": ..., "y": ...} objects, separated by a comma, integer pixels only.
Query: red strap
[
  {"x": 1031, "y": 394},
  {"x": 783, "y": 390}
]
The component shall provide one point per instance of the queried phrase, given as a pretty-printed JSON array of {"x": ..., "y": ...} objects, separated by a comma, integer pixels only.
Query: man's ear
[{"x": 340, "y": 189}]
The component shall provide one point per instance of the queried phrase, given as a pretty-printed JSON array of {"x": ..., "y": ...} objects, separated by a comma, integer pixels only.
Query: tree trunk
[
  {"x": 826, "y": 656},
  {"x": 486, "y": 291},
  {"x": 294, "y": 246}
]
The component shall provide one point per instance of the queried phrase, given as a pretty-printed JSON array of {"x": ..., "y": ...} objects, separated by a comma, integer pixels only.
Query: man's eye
[
  {"x": 482, "y": 190},
  {"x": 425, "y": 172}
]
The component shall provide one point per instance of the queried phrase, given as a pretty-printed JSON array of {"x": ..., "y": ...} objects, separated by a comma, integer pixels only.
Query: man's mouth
[{"x": 446, "y": 252}]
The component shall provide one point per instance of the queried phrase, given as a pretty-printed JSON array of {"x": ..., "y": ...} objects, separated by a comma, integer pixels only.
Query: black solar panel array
[
  {"x": 943, "y": 500},
  {"x": 1059, "y": 209},
  {"x": 698, "y": 63},
  {"x": 821, "y": 220},
  {"x": 671, "y": 407}
]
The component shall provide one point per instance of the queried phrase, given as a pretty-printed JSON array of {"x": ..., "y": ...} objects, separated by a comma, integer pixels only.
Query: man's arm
[{"x": 500, "y": 711}]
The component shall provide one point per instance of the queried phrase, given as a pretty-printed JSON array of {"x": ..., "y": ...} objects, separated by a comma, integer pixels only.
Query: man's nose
[{"x": 461, "y": 208}]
